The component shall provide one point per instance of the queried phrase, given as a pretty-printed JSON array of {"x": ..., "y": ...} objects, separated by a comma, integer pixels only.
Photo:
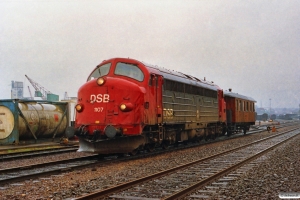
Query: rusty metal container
[{"x": 22, "y": 120}]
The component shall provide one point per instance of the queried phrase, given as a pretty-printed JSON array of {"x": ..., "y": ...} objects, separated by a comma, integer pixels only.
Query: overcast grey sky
[{"x": 252, "y": 46}]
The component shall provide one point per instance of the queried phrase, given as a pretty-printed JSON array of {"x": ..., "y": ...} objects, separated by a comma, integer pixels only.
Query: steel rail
[
  {"x": 56, "y": 171},
  {"x": 14, "y": 174},
  {"x": 30, "y": 154},
  {"x": 130, "y": 184},
  {"x": 15, "y": 178},
  {"x": 28, "y": 148},
  {"x": 208, "y": 180}
]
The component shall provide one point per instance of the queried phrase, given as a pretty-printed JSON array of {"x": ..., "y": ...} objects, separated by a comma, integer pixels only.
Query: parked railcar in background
[
  {"x": 273, "y": 117},
  {"x": 262, "y": 117},
  {"x": 32, "y": 121}
]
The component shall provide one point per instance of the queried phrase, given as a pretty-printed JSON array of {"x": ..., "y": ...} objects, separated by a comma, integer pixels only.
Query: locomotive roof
[
  {"x": 236, "y": 95},
  {"x": 181, "y": 77}
]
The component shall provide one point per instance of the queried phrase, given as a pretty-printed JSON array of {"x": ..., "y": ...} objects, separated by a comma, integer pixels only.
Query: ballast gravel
[{"x": 279, "y": 173}]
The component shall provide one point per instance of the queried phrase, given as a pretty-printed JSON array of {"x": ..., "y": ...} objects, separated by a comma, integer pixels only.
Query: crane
[
  {"x": 31, "y": 97},
  {"x": 40, "y": 91}
]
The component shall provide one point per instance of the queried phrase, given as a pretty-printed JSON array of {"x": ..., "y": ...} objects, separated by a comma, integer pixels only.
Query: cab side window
[
  {"x": 129, "y": 70},
  {"x": 100, "y": 71}
]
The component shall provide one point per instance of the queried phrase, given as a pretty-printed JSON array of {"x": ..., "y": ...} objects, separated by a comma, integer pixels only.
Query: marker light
[
  {"x": 100, "y": 81},
  {"x": 79, "y": 107},
  {"x": 125, "y": 107}
]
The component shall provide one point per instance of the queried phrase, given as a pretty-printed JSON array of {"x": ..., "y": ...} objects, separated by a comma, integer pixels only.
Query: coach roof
[
  {"x": 181, "y": 77},
  {"x": 236, "y": 95}
]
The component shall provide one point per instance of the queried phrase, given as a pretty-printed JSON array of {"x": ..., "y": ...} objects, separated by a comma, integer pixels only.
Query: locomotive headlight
[
  {"x": 125, "y": 107},
  {"x": 100, "y": 81},
  {"x": 79, "y": 107}
]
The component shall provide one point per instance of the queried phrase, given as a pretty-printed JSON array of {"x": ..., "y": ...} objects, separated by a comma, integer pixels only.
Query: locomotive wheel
[
  {"x": 100, "y": 156},
  {"x": 176, "y": 144},
  {"x": 121, "y": 155},
  {"x": 212, "y": 136},
  {"x": 223, "y": 131},
  {"x": 165, "y": 145},
  {"x": 229, "y": 132},
  {"x": 150, "y": 147},
  {"x": 199, "y": 139},
  {"x": 206, "y": 138},
  {"x": 134, "y": 152}
]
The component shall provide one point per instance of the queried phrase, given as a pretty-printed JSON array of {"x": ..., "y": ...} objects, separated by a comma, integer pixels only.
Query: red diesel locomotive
[{"x": 127, "y": 105}]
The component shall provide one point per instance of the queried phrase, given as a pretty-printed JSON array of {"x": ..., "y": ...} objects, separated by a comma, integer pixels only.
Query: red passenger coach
[
  {"x": 240, "y": 112},
  {"x": 127, "y": 105}
]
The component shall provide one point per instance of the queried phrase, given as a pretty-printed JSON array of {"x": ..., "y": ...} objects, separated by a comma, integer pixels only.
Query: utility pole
[
  {"x": 270, "y": 108},
  {"x": 31, "y": 97}
]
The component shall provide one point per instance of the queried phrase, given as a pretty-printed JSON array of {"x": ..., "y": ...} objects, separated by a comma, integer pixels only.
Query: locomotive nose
[{"x": 110, "y": 131}]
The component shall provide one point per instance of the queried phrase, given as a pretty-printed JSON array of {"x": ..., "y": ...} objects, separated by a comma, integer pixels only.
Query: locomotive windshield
[
  {"x": 100, "y": 71},
  {"x": 129, "y": 70}
]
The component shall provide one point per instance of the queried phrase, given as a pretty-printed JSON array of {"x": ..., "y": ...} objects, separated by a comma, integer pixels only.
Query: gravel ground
[
  {"x": 71, "y": 184},
  {"x": 279, "y": 173}
]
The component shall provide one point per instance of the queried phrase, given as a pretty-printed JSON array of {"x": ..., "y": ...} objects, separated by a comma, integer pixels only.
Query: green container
[
  {"x": 52, "y": 97},
  {"x": 38, "y": 94}
]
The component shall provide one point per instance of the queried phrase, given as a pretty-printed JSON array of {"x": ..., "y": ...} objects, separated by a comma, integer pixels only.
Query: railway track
[
  {"x": 181, "y": 181},
  {"x": 36, "y": 153},
  {"x": 35, "y": 147},
  {"x": 16, "y": 174},
  {"x": 27, "y": 153},
  {"x": 253, "y": 130}
]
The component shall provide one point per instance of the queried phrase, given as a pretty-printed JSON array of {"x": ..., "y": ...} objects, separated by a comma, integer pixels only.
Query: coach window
[
  {"x": 129, "y": 70},
  {"x": 241, "y": 106},
  {"x": 180, "y": 87},
  {"x": 100, "y": 71}
]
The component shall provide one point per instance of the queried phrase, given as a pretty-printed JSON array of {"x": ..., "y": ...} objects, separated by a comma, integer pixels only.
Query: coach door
[
  {"x": 159, "y": 99},
  {"x": 156, "y": 83}
]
